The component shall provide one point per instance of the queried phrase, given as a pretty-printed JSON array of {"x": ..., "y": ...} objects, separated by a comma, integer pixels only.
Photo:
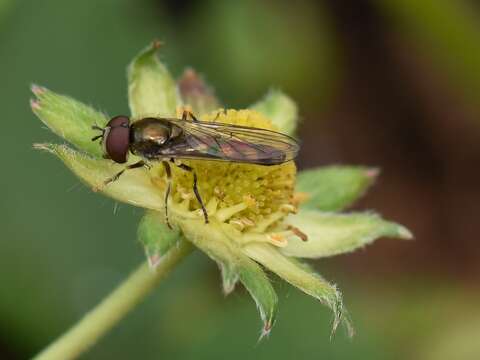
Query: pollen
[{"x": 244, "y": 194}]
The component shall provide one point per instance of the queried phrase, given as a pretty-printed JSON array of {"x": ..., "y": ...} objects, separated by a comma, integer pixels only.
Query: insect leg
[
  {"x": 185, "y": 116},
  {"x": 168, "y": 172},
  {"x": 218, "y": 114},
  {"x": 115, "y": 177},
  {"x": 195, "y": 188},
  {"x": 193, "y": 117}
]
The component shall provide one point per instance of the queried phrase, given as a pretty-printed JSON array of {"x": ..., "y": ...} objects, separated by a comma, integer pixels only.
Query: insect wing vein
[{"x": 235, "y": 143}]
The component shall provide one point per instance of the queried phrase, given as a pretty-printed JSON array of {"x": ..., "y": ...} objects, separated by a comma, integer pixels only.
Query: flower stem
[{"x": 114, "y": 307}]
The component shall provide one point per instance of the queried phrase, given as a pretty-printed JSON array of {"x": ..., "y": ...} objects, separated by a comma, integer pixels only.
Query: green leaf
[
  {"x": 332, "y": 234},
  {"x": 298, "y": 275},
  {"x": 156, "y": 237},
  {"x": 69, "y": 119},
  {"x": 196, "y": 93},
  {"x": 279, "y": 108},
  {"x": 334, "y": 188},
  {"x": 213, "y": 239},
  {"x": 151, "y": 89},
  {"x": 134, "y": 186}
]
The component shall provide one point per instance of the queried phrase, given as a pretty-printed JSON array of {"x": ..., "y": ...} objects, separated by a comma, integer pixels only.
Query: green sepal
[
  {"x": 280, "y": 109},
  {"x": 156, "y": 237},
  {"x": 332, "y": 234},
  {"x": 298, "y": 275},
  {"x": 213, "y": 239},
  {"x": 151, "y": 89},
  {"x": 230, "y": 277},
  {"x": 334, "y": 188},
  {"x": 134, "y": 186},
  {"x": 260, "y": 288},
  {"x": 196, "y": 93},
  {"x": 345, "y": 319},
  {"x": 69, "y": 119}
]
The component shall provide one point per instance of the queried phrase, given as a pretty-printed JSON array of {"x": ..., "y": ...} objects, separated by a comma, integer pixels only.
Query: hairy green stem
[{"x": 113, "y": 308}]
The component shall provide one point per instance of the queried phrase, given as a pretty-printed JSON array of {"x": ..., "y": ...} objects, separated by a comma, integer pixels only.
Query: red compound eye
[{"x": 116, "y": 140}]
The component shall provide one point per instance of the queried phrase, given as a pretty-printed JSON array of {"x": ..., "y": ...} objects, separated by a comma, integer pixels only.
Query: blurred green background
[{"x": 392, "y": 84}]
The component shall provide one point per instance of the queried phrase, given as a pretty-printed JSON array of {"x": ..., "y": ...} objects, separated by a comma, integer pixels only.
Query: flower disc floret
[{"x": 257, "y": 191}]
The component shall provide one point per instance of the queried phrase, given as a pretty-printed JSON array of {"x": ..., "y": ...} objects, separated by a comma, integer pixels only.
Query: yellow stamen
[
  {"x": 300, "y": 197},
  {"x": 225, "y": 214}
]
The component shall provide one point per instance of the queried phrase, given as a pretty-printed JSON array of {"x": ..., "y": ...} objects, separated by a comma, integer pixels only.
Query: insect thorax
[{"x": 149, "y": 135}]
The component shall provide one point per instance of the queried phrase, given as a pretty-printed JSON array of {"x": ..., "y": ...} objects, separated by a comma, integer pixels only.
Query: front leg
[
  {"x": 195, "y": 188},
  {"x": 185, "y": 116},
  {"x": 168, "y": 172},
  {"x": 115, "y": 177}
]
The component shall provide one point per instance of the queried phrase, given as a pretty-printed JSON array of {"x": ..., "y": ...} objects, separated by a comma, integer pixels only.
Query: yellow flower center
[{"x": 242, "y": 195}]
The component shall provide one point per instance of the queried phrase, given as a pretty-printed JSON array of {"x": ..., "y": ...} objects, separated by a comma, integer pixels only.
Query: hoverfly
[{"x": 167, "y": 139}]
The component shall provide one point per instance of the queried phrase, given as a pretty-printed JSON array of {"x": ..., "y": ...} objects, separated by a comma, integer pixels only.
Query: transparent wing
[{"x": 218, "y": 141}]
